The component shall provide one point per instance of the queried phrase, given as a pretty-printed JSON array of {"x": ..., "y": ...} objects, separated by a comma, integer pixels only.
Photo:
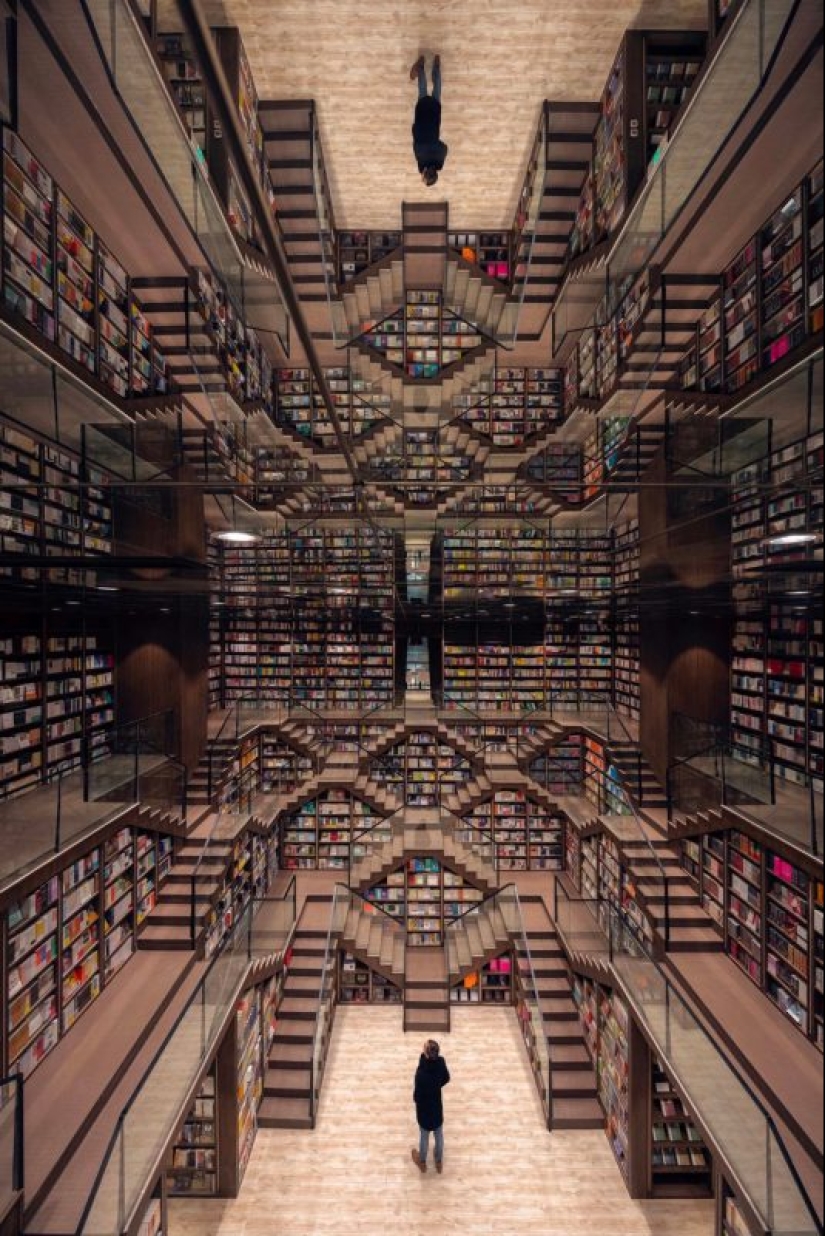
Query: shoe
[
  {"x": 419, "y": 64},
  {"x": 436, "y": 63},
  {"x": 417, "y": 1160},
  {"x": 439, "y": 1166}
]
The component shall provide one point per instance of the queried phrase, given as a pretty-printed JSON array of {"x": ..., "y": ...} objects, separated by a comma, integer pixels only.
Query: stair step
[
  {"x": 569, "y": 1113},
  {"x": 427, "y": 1019},
  {"x": 282, "y": 1113}
]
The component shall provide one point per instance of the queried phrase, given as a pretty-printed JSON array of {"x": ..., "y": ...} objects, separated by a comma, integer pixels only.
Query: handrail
[
  {"x": 326, "y": 995},
  {"x": 627, "y": 944}
]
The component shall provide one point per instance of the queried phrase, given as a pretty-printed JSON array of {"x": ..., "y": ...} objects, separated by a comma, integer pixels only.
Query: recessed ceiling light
[
  {"x": 793, "y": 538},
  {"x": 107, "y": 588},
  {"x": 800, "y": 592},
  {"x": 73, "y": 602},
  {"x": 236, "y": 537}
]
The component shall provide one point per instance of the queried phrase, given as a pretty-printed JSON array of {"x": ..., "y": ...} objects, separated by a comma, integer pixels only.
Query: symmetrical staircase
[
  {"x": 426, "y": 991},
  {"x": 219, "y": 754},
  {"x": 691, "y": 927},
  {"x": 168, "y": 926}
]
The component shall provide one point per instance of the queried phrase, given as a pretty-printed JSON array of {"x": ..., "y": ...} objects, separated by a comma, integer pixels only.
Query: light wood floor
[
  {"x": 501, "y": 59},
  {"x": 504, "y": 1175}
]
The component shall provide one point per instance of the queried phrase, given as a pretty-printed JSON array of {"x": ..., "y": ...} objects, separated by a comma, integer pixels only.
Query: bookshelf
[
  {"x": 300, "y": 408},
  {"x": 359, "y": 250},
  {"x": 491, "y": 251},
  {"x": 359, "y": 984},
  {"x": 492, "y": 984},
  {"x": 777, "y": 664},
  {"x": 65, "y": 283},
  {"x": 282, "y": 767},
  {"x": 21, "y": 714},
  {"x": 769, "y": 910},
  {"x": 424, "y": 337},
  {"x": 770, "y": 299},
  {"x": 527, "y": 836},
  {"x": 250, "y": 1082},
  {"x": 422, "y": 771},
  {"x": 522, "y": 403},
  {"x": 33, "y": 1024},
  {"x": 681, "y": 1163},
  {"x": 648, "y": 83},
  {"x": 613, "y": 1072},
  {"x": 320, "y": 834},
  {"x": 194, "y": 1167},
  {"x": 423, "y": 897}
]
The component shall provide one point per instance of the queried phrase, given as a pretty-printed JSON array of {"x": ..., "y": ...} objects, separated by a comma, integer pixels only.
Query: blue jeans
[
  {"x": 424, "y": 1144},
  {"x": 422, "y": 81}
]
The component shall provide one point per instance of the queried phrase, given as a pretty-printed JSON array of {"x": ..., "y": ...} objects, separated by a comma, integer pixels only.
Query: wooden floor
[
  {"x": 504, "y": 1175},
  {"x": 500, "y": 61}
]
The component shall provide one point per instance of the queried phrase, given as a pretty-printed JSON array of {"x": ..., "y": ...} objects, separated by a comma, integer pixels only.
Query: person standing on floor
[
  {"x": 430, "y": 151},
  {"x": 431, "y": 1076}
]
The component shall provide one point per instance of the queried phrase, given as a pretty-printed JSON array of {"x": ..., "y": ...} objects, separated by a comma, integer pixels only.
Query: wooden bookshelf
[
  {"x": 194, "y": 1168},
  {"x": 526, "y": 835},
  {"x": 300, "y": 408},
  {"x": 250, "y": 1065},
  {"x": 322, "y": 832},
  {"x": 356, "y": 251},
  {"x": 491, "y": 251},
  {"x": 66, "y": 938},
  {"x": 522, "y": 403},
  {"x": 62, "y": 280},
  {"x": 421, "y": 771},
  {"x": 358, "y": 983},
  {"x": 770, "y": 299},
  {"x": 424, "y": 337},
  {"x": 492, "y": 984},
  {"x": 648, "y": 83},
  {"x": 680, "y": 1161}
]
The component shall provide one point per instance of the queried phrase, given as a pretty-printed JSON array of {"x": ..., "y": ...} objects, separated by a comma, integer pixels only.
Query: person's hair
[
  {"x": 430, "y": 176},
  {"x": 431, "y": 1049}
]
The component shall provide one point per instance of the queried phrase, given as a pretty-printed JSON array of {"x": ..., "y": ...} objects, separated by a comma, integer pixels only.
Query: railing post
[{"x": 122, "y": 1189}]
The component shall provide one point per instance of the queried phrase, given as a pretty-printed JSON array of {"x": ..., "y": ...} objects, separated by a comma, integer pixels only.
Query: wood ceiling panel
[{"x": 501, "y": 59}]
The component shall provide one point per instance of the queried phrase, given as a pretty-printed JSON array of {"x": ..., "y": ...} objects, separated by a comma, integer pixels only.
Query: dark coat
[
  {"x": 430, "y": 151},
  {"x": 430, "y": 1078}
]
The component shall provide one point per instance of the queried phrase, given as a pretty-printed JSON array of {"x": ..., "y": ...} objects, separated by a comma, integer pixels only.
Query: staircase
[
  {"x": 287, "y": 1097},
  {"x": 691, "y": 928},
  {"x": 168, "y": 926},
  {"x": 221, "y": 752},
  {"x": 638, "y": 778},
  {"x": 376, "y": 939},
  {"x": 426, "y": 992},
  {"x": 569, "y": 146},
  {"x": 410, "y": 839},
  {"x": 474, "y": 939},
  {"x": 573, "y": 1090},
  {"x": 473, "y": 295}
]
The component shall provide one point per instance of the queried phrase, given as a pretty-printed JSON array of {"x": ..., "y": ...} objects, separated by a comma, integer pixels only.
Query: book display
[
  {"x": 560, "y": 769},
  {"x": 194, "y": 1169},
  {"x": 770, "y": 300},
  {"x": 423, "y": 897},
  {"x": 527, "y": 836},
  {"x": 650, "y": 80},
  {"x": 769, "y": 911},
  {"x": 320, "y": 834},
  {"x": 359, "y": 250},
  {"x": 61, "y": 278},
  {"x": 492, "y": 251},
  {"x": 250, "y": 1064},
  {"x": 523, "y": 402},
  {"x": 71, "y": 935},
  {"x": 21, "y": 714},
  {"x": 605, "y": 1024},
  {"x": 424, "y": 337},
  {"x": 422, "y": 771},
  {"x": 359, "y": 984},
  {"x": 282, "y": 767},
  {"x": 299, "y": 406},
  {"x": 777, "y": 666},
  {"x": 492, "y": 984},
  {"x": 681, "y": 1162}
]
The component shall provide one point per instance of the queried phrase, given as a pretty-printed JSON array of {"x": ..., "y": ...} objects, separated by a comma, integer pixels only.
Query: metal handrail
[
  {"x": 18, "y": 1171},
  {"x": 330, "y": 952},
  {"x": 615, "y": 913}
]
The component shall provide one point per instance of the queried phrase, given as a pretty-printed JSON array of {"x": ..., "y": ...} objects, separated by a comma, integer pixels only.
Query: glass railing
[
  {"x": 342, "y": 900},
  {"x": 737, "y": 1123},
  {"x": 272, "y": 925},
  {"x": 144, "y": 1127},
  {"x": 528, "y": 1003},
  {"x": 138, "y": 80},
  {"x": 137, "y": 767},
  {"x": 12, "y": 1174}
]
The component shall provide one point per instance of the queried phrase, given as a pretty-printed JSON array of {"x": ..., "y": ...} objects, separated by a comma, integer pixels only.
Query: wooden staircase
[
  {"x": 422, "y": 834},
  {"x": 287, "y": 1097},
  {"x": 573, "y": 1089},
  {"x": 691, "y": 928},
  {"x": 426, "y": 992},
  {"x": 221, "y": 752},
  {"x": 168, "y": 926}
]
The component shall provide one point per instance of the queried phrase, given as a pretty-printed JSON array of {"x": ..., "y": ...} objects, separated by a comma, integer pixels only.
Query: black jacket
[
  {"x": 430, "y": 1078},
  {"x": 430, "y": 151}
]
